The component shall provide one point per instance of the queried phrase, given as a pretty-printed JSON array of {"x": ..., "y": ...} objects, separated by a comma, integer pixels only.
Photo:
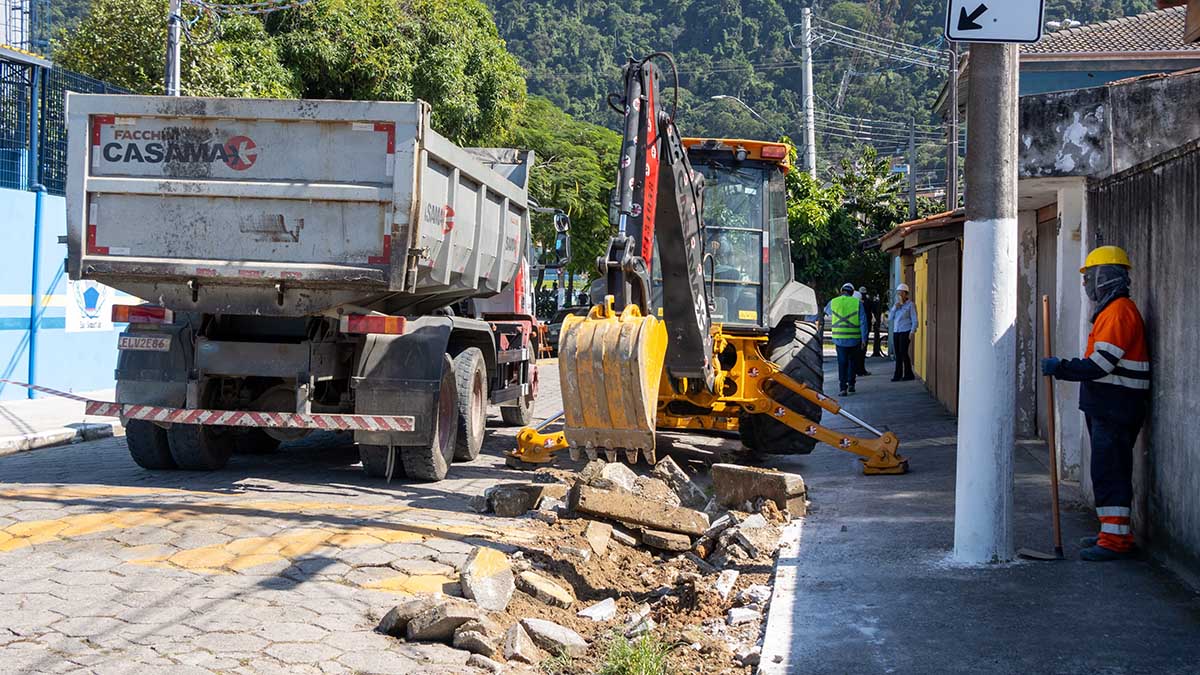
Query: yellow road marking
[{"x": 412, "y": 584}]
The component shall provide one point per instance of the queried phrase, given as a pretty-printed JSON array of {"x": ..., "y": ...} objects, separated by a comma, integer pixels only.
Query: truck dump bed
[{"x": 286, "y": 208}]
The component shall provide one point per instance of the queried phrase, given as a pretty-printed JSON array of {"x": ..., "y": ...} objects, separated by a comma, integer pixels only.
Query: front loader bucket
[{"x": 609, "y": 367}]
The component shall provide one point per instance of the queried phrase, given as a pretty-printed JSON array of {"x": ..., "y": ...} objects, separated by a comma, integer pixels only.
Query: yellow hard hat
[{"x": 1107, "y": 255}]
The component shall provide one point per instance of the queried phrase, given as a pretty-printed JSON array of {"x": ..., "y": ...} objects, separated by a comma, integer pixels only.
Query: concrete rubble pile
[{"x": 703, "y": 560}]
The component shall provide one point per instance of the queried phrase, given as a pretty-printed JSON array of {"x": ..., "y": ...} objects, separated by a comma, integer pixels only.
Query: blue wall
[
  {"x": 65, "y": 361},
  {"x": 1045, "y": 82}
]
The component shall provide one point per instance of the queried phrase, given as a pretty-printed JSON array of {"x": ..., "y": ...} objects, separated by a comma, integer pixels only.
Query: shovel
[{"x": 1028, "y": 553}]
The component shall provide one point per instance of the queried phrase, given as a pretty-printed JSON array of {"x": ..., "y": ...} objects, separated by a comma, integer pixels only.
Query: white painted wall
[{"x": 1071, "y": 328}]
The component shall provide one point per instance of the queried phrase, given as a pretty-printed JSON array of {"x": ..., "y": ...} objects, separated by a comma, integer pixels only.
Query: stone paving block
[
  {"x": 438, "y": 623},
  {"x": 409, "y": 551},
  {"x": 379, "y": 662},
  {"x": 487, "y": 578},
  {"x": 87, "y": 626},
  {"x": 230, "y": 642},
  {"x": 554, "y": 638},
  {"x": 635, "y": 510},
  {"x": 544, "y": 589},
  {"x": 302, "y": 652},
  {"x": 290, "y": 631},
  {"x": 420, "y": 567}
]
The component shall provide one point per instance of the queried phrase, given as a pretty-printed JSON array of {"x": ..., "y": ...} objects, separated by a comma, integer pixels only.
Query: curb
[
  {"x": 780, "y": 625},
  {"x": 77, "y": 433}
]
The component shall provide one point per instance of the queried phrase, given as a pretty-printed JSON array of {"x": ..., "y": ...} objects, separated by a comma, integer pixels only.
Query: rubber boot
[
  {"x": 1088, "y": 542},
  {"x": 1098, "y": 553}
]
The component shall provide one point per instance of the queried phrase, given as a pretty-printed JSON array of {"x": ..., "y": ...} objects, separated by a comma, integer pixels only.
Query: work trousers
[
  {"x": 877, "y": 322},
  {"x": 904, "y": 369},
  {"x": 847, "y": 358},
  {"x": 1112, "y": 478}
]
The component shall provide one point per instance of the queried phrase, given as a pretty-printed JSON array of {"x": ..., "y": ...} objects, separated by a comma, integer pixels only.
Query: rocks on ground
[
  {"x": 544, "y": 589},
  {"x": 554, "y": 638},
  {"x": 487, "y": 578},
  {"x": 735, "y": 485},
  {"x": 601, "y": 611},
  {"x": 519, "y": 647}
]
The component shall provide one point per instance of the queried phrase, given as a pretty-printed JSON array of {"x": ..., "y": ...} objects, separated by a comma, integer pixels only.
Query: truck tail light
[
  {"x": 774, "y": 152},
  {"x": 141, "y": 314},
  {"x": 373, "y": 324}
]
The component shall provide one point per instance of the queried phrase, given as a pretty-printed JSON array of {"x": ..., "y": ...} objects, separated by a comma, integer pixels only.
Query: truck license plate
[{"x": 139, "y": 343}]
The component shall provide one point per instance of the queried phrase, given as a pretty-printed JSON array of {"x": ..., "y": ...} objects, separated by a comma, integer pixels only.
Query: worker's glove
[{"x": 1050, "y": 366}]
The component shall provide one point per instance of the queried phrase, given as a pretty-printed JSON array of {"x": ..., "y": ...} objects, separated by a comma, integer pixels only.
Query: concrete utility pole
[
  {"x": 952, "y": 146},
  {"x": 912, "y": 168},
  {"x": 983, "y": 526},
  {"x": 174, "y": 16},
  {"x": 810, "y": 98}
]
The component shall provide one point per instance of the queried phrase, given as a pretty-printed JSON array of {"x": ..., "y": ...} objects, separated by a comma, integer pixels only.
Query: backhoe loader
[{"x": 699, "y": 323}]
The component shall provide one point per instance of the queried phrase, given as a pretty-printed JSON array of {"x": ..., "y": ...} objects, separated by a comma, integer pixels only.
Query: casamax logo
[{"x": 168, "y": 146}]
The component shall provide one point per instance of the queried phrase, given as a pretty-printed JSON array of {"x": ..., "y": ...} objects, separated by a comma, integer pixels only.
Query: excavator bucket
[{"x": 609, "y": 369}]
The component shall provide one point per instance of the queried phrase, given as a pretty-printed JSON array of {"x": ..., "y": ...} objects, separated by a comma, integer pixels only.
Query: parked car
[{"x": 556, "y": 323}]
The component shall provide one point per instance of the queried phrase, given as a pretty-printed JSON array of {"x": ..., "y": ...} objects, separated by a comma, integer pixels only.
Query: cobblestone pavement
[{"x": 278, "y": 563}]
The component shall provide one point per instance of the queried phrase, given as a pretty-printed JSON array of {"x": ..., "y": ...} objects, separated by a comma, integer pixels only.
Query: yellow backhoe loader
[{"x": 702, "y": 325}]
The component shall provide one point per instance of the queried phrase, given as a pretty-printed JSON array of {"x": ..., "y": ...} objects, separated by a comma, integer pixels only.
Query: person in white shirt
[{"x": 904, "y": 324}]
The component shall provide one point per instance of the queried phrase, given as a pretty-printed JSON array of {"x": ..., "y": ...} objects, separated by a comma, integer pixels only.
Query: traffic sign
[{"x": 995, "y": 20}]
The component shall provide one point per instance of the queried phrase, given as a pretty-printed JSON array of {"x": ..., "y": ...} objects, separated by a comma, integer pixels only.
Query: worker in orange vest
[{"x": 1114, "y": 393}]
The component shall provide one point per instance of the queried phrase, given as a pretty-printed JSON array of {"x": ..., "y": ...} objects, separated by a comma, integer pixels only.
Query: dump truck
[
  {"x": 699, "y": 323},
  {"x": 304, "y": 266}
]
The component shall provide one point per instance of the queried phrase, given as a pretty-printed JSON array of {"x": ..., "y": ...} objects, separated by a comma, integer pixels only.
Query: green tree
[
  {"x": 123, "y": 42},
  {"x": 446, "y": 52},
  {"x": 575, "y": 169}
]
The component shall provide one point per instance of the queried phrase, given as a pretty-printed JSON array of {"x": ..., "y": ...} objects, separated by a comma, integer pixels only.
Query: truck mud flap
[{"x": 401, "y": 375}]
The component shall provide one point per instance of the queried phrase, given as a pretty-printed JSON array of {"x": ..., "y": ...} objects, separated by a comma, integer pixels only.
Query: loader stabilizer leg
[{"x": 880, "y": 456}]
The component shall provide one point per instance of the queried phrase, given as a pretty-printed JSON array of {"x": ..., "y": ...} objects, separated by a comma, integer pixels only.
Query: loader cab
[{"x": 747, "y": 247}]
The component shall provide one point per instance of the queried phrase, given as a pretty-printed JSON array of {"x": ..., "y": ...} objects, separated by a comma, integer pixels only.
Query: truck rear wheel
[
  {"x": 795, "y": 346},
  {"x": 197, "y": 447},
  {"x": 470, "y": 376},
  {"x": 374, "y": 461},
  {"x": 432, "y": 463},
  {"x": 148, "y": 445}
]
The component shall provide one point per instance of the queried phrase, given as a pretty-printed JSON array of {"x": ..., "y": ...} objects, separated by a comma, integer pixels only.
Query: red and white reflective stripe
[
  {"x": 1114, "y": 520},
  {"x": 234, "y": 418},
  {"x": 44, "y": 390},
  {"x": 237, "y": 418}
]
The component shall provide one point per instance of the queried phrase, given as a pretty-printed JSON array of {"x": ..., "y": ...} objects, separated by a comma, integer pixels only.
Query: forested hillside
[{"x": 572, "y": 51}]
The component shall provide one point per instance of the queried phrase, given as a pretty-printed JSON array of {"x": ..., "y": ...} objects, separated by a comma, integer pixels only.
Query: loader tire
[
  {"x": 519, "y": 414},
  {"x": 431, "y": 463},
  {"x": 470, "y": 377},
  {"x": 197, "y": 447},
  {"x": 148, "y": 445},
  {"x": 795, "y": 346},
  {"x": 374, "y": 461}
]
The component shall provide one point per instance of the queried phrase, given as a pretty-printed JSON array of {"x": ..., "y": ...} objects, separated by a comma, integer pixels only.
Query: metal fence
[{"x": 33, "y": 123}]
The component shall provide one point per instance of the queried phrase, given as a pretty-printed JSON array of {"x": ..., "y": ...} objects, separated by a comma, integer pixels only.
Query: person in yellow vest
[
  {"x": 849, "y": 325},
  {"x": 1114, "y": 395}
]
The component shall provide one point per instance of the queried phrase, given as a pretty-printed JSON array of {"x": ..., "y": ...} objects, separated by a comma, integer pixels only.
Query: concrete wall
[
  {"x": 1071, "y": 327},
  {"x": 1153, "y": 211},
  {"x": 1027, "y": 367},
  {"x": 66, "y": 361}
]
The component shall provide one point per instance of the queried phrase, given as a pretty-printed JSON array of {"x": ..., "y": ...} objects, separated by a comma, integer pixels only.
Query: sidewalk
[
  {"x": 48, "y": 420},
  {"x": 873, "y": 588}
]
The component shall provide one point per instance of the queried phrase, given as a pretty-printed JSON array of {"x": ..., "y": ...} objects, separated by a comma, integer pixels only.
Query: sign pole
[{"x": 983, "y": 521}]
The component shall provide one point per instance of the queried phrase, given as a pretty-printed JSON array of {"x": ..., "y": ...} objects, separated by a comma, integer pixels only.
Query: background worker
[
  {"x": 868, "y": 306},
  {"x": 849, "y": 325},
  {"x": 1114, "y": 391},
  {"x": 875, "y": 310},
  {"x": 904, "y": 324}
]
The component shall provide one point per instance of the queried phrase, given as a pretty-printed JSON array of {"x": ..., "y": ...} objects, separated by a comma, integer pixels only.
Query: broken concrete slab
[
  {"x": 760, "y": 541},
  {"x": 479, "y": 637},
  {"x": 485, "y": 664},
  {"x": 480, "y": 504},
  {"x": 487, "y": 578},
  {"x": 548, "y": 517},
  {"x": 725, "y": 583},
  {"x": 544, "y": 589},
  {"x": 666, "y": 541},
  {"x": 598, "y": 535},
  {"x": 740, "y": 615},
  {"x": 690, "y": 494},
  {"x": 615, "y": 476},
  {"x": 438, "y": 623},
  {"x": 749, "y": 656},
  {"x": 656, "y": 490},
  {"x": 577, "y": 552},
  {"x": 757, "y": 595},
  {"x": 735, "y": 485},
  {"x": 519, "y": 647},
  {"x": 395, "y": 622},
  {"x": 554, "y": 638},
  {"x": 509, "y": 501},
  {"x": 639, "y": 621},
  {"x": 542, "y": 491},
  {"x": 636, "y": 510},
  {"x": 624, "y": 536},
  {"x": 604, "y": 610}
]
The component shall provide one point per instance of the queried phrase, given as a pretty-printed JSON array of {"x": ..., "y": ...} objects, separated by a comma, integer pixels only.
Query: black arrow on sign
[{"x": 967, "y": 21}]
